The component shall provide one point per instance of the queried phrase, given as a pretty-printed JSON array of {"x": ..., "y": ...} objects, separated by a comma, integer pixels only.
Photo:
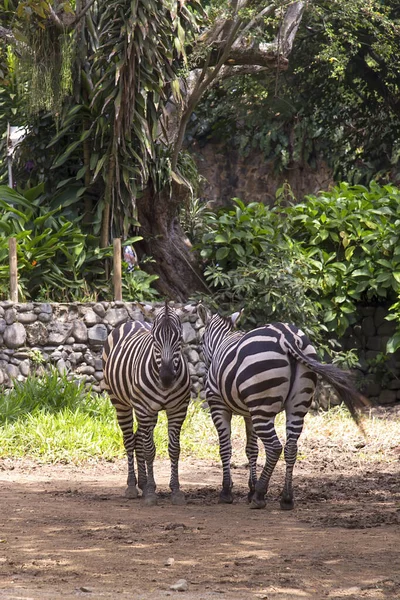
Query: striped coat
[
  {"x": 145, "y": 372},
  {"x": 257, "y": 375}
]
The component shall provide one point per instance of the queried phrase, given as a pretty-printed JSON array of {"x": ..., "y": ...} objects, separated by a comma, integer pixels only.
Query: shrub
[
  {"x": 311, "y": 262},
  {"x": 351, "y": 236}
]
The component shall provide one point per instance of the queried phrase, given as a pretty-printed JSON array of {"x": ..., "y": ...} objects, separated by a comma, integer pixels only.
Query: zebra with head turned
[
  {"x": 257, "y": 375},
  {"x": 145, "y": 372}
]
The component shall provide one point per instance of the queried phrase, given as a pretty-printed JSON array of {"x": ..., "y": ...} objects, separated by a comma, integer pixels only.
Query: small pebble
[
  {"x": 180, "y": 586},
  {"x": 169, "y": 562}
]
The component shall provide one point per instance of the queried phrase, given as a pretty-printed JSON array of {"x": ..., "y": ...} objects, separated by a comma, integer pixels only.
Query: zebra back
[{"x": 233, "y": 355}]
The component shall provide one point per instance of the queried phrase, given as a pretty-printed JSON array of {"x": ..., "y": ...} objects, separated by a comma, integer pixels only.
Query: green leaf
[
  {"x": 361, "y": 272},
  {"x": 222, "y": 253},
  {"x": 239, "y": 250},
  {"x": 61, "y": 159},
  {"x": 220, "y": 239},
  {"x": 394, "y": 343}
]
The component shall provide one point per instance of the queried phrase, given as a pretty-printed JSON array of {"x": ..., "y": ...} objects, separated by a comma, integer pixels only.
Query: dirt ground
[{"x": 68, "y": 532}]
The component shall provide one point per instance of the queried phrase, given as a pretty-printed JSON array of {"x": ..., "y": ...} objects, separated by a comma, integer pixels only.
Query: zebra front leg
[
  {"x": 222, "y": 420},
  {"x": 149, "y": 452},
  {"x": 175, "y": 423},
  {"x": 140, "y": 461},
  {"x": 125, "y": 421},
  {"x": 273, "y": 448},
  {"x": 252, "y": 455}
]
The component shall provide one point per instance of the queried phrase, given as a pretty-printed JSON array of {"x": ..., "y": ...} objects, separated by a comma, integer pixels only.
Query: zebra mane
[{"x": 166, "y": 313}]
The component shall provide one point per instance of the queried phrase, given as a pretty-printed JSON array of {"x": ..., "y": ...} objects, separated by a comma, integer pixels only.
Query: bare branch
[
  {"x": 264, "y": 13},
  {"x": 289, "y": 27},
  {"x": 234, "y": 71},
  {"x": 83, "y": 12}
]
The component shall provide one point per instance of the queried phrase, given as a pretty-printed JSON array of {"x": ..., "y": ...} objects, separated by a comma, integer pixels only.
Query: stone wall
[
  {"x": 228, "y": 174},
  {"x": 379, "y": 374},
  {"x": 71, "y": 336}
]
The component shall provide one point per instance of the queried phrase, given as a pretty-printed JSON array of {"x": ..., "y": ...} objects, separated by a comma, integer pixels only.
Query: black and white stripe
[
  {"x": 145, "y": 372},
  {"x": 257, "y": 375}
]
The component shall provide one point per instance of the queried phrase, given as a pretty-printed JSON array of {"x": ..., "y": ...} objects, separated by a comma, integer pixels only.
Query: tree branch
[
  {"x": 232, "y": 56},
  {"x": 291, "y": 22},
  {"x": 83, "y": 12},
  {"x": 234, "y": 71}
]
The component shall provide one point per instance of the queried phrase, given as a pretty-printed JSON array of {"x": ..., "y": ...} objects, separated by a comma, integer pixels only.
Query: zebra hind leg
[
  {"x": 287, "y": 499},
  {"x": 175, "y": 423},
  {"x": 265, "y": 430},
  {"x": 296, "y": 408},
  {"x": 222, "y": 420},
  {"x": 252, "y": 455}
]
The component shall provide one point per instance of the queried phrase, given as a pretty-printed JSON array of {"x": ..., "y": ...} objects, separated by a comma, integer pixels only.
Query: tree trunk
[{"x": 165, "y": 241}]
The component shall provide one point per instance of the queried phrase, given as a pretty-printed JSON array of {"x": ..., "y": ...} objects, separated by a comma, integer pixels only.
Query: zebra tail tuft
[{"x": 340, "y": 381}]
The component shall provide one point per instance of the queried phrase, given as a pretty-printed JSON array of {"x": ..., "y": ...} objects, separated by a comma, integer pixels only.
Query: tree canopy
[
  {"x": 339, "y": 97},
  {"x": 108, "y": 88}
]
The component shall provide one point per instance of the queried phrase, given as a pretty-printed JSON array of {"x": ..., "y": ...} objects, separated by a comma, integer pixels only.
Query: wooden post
[
  {"x": 117, "y": 269},
  {"x": 12, "y": 246}
]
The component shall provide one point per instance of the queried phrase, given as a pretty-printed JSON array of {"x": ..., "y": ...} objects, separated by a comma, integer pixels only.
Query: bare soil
[{"x": 68, "y": 532}]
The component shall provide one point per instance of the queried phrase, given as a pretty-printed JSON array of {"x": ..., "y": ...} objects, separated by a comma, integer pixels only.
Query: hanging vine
[{"x": 43, "y": 69}]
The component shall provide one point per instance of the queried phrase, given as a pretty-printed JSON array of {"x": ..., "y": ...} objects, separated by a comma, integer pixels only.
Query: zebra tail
[{"x": 340, "y": 381}]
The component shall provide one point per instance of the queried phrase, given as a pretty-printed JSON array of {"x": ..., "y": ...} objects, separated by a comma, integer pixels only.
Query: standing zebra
[
  {"x": 145, "y": 372},
  {"x": 257, "y": 375}
]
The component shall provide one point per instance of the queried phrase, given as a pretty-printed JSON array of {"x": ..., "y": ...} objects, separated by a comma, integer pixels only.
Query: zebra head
[
  {"x": 216, "y": 328},
  {"x": 167, "y": 342}
]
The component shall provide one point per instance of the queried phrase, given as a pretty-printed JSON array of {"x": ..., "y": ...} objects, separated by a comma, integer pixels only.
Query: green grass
[{"x": 52, "y": 419}]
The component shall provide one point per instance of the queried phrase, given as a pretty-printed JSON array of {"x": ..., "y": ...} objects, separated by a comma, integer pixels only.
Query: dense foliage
[
  {"x": 310, "y": 263},
  {"x": 338, "y": 101},
  {"x": 57, "y": 261},
  {"x": 105, "y": 92}
]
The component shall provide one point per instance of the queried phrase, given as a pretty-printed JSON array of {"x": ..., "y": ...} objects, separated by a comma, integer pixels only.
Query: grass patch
[{"x": 52, "y": 419}]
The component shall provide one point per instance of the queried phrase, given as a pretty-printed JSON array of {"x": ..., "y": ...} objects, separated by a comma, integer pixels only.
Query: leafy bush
[
  {"x": 351, "y": 238},
  {"x": 310, "y": 263},
  {"x": 246, "y": 231},
  {"x": 50, "y": 392},
  {"x": 251, "y": 262},
  {"x": 56, "y": 260},
  {"x": 49, "y": 246},
  {"x": 137, "y": 286}
]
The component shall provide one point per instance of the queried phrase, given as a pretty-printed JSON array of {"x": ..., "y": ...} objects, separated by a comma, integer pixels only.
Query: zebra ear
[
  {"x": 236, "y": 317},
  {"x": 189, "y": 309},
  {"x": 147, "y": 309},
  {"x": 203, "y": 313}
]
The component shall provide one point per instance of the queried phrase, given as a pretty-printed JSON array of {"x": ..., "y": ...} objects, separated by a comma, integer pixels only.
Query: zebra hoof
[
  {"x": 225, "y": 498},
  {"x": 255, "y": 503},
  {"x": 250, "y": 497},
  {"x": 150, "y": 500},
  {"x": 287, "y": 503},
  {"x": 178, "y": 499},
  {"x": 131, "y": 492}
]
